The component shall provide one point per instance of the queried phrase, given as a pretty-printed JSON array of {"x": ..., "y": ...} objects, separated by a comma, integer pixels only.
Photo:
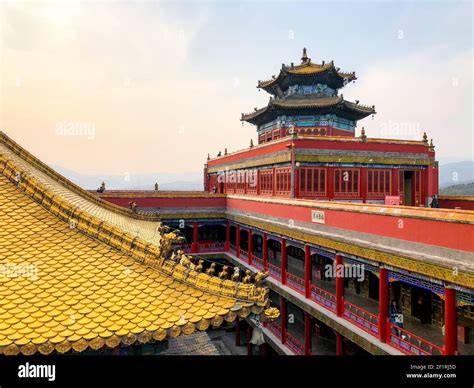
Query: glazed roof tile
[{"x": 62, "y": 289}]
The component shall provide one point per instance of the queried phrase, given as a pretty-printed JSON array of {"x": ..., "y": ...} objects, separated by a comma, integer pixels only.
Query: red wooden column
[
  {"x": 249, "y": 337},
  {"x": 249, "y": 247},
  {"x": 330, "y": 183},
  {"x": 339, "y": 344},
  {"x": 195, "y": 244},
  {"x": 227, "y": 237},
  {"x": 450, "y": 322},
  {"x": 265, "y": 252},
  {"x": 339, "y": 287},
  {"x": 284, "y": 319},
  {"x": 307, "y": 270},
  {"x": 283, "y": 261},
  {"x": 237, "y": 241},
  {"x": 307, "y": 334},
  {"x": 363, "y": 184},
  {"x": 384, "y": 296},
  {"x": 237, "y": 332}
]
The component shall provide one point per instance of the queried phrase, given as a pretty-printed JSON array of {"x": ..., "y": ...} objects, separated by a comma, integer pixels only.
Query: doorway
[{"x": 408, "y": 188}]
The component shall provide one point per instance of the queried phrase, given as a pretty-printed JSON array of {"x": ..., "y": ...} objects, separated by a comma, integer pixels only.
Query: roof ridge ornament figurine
[{"x": 304, "y": 57}]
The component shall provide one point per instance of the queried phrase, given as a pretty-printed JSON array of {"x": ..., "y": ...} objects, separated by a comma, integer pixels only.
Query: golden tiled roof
[{"x": 70, "y": 280}]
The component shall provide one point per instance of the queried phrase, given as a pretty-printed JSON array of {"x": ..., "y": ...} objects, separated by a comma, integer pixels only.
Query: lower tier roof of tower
[{"x": 308, "y": 105}]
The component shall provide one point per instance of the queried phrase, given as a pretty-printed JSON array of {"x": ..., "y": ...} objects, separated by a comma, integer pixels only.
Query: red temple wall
[{"x": 430, "y": 232}]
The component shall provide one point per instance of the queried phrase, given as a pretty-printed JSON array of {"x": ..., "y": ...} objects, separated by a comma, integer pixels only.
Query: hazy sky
[{"x": 144, "y": 87}]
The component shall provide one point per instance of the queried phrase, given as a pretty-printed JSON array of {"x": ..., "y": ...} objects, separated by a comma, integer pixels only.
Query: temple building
[
  {"x": 311, "y": 197},
  {"x": 330, "y": 228},
  {"x": 307, "y": 147}
]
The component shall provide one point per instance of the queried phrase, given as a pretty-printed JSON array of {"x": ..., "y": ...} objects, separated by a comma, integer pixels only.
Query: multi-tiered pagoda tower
[
  {"x": 306, "y": 98},
  {"x": 307, "y": 147}
]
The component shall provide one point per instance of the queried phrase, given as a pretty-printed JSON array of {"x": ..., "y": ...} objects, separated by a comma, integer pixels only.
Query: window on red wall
[
  {"x": 261, "y": 139},
  {"x": 252, "y": 181},
  {"x": 276, "y": 134},
  {"x": 266, "y": 182},
  {"x": 240, "y": 182},
  {"x": 378, "y": 183},
  {"x": 283, "y": 181},
  {"x": 346, "y": 182},
  {"x": 268, "y": 136},
  {"x": 230, "y": 183},
  {"x": 312, "y": 181}
]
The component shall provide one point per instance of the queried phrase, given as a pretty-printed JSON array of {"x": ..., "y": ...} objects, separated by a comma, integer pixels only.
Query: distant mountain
[
  {"x": 462, "y": 189},
  {"x": 457, "y": 173},
  {"x": 167, "y": 181}
]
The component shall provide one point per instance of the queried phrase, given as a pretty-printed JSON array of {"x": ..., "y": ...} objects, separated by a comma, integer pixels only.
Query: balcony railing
[
  {"x": 257, "y": 262},
  {"x": 295, "y": 283},
  {"x": 293, "y": 344},
  {"x": 409, "y": 343},
  {"x": 275, "y": 271},
  {"x": 361, "y": 318},
  {"x": 324, "y": 298},
  {"x": 243, "y": 253},
  {"x": 275, "y": 328},
  {"x": 232, "y": 248},
  {"x": 211, "y": 247}
]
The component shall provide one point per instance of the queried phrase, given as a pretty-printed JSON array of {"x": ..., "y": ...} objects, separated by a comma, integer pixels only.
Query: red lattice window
[
  {"x": 378, "y": 183},
  {"x": 283, "y": 181},
  {"x": 266, "y": 182},
  {"x": 346, "y": 182},
  {"x": 312, "y": 181},
  {"x": 252, "y": 181}
]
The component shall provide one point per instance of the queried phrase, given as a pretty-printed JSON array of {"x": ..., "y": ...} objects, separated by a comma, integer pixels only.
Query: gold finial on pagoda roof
[
  {"x": 208, "y": 156},
  {"x": 425, "y": 138},
  {"x": 304, "y": 58},
  {"x": 251, "y": 143}
]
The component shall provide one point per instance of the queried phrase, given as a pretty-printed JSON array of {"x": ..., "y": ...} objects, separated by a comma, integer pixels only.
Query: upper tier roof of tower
[
  {"x": 86, "y": 274},
  {"x": 305, "y": 74}
]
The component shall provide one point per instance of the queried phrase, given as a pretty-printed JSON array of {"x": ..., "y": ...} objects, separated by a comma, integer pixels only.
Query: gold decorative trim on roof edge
[
  {"x": 300, "y": 136},
  {"x": 33, "y": 160},
  {"x": 468, "y": 198},
  {"x": 248, "y": 298},
  {"x": 141, "y": 250}
]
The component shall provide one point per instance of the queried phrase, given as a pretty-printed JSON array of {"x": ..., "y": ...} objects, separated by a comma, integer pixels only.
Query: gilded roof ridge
[{"x": 33, "y": 160}]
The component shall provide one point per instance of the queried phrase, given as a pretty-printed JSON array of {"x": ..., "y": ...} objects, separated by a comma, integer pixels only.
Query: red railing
[
  {"x": 275, "y": 271},
  {"x": 361, "y": 318},
  {"x": 275, "y": 328},
  {"x": 186, "y": 248},
  {"x": 409, "y": 343},
  {"x": 293, "y": 344},
  {"x": 211, "y": 247},
  {"x": 257, "y": 262},
  {"x": 232, "y": 248},
  {"x": 322, "y": 297},
  {"x": 295, "y": 283},
  {"x": 243, "y": 253}
]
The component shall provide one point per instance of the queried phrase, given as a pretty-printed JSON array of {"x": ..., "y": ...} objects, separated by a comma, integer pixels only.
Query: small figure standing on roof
[
  {"x": 434, "y": 201},
  {"x": 101, "y": 189},
  {"x": 156, "y": 186},
  {"x": 133, "y": 206},
  {"x": 219, "y": 154}
]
